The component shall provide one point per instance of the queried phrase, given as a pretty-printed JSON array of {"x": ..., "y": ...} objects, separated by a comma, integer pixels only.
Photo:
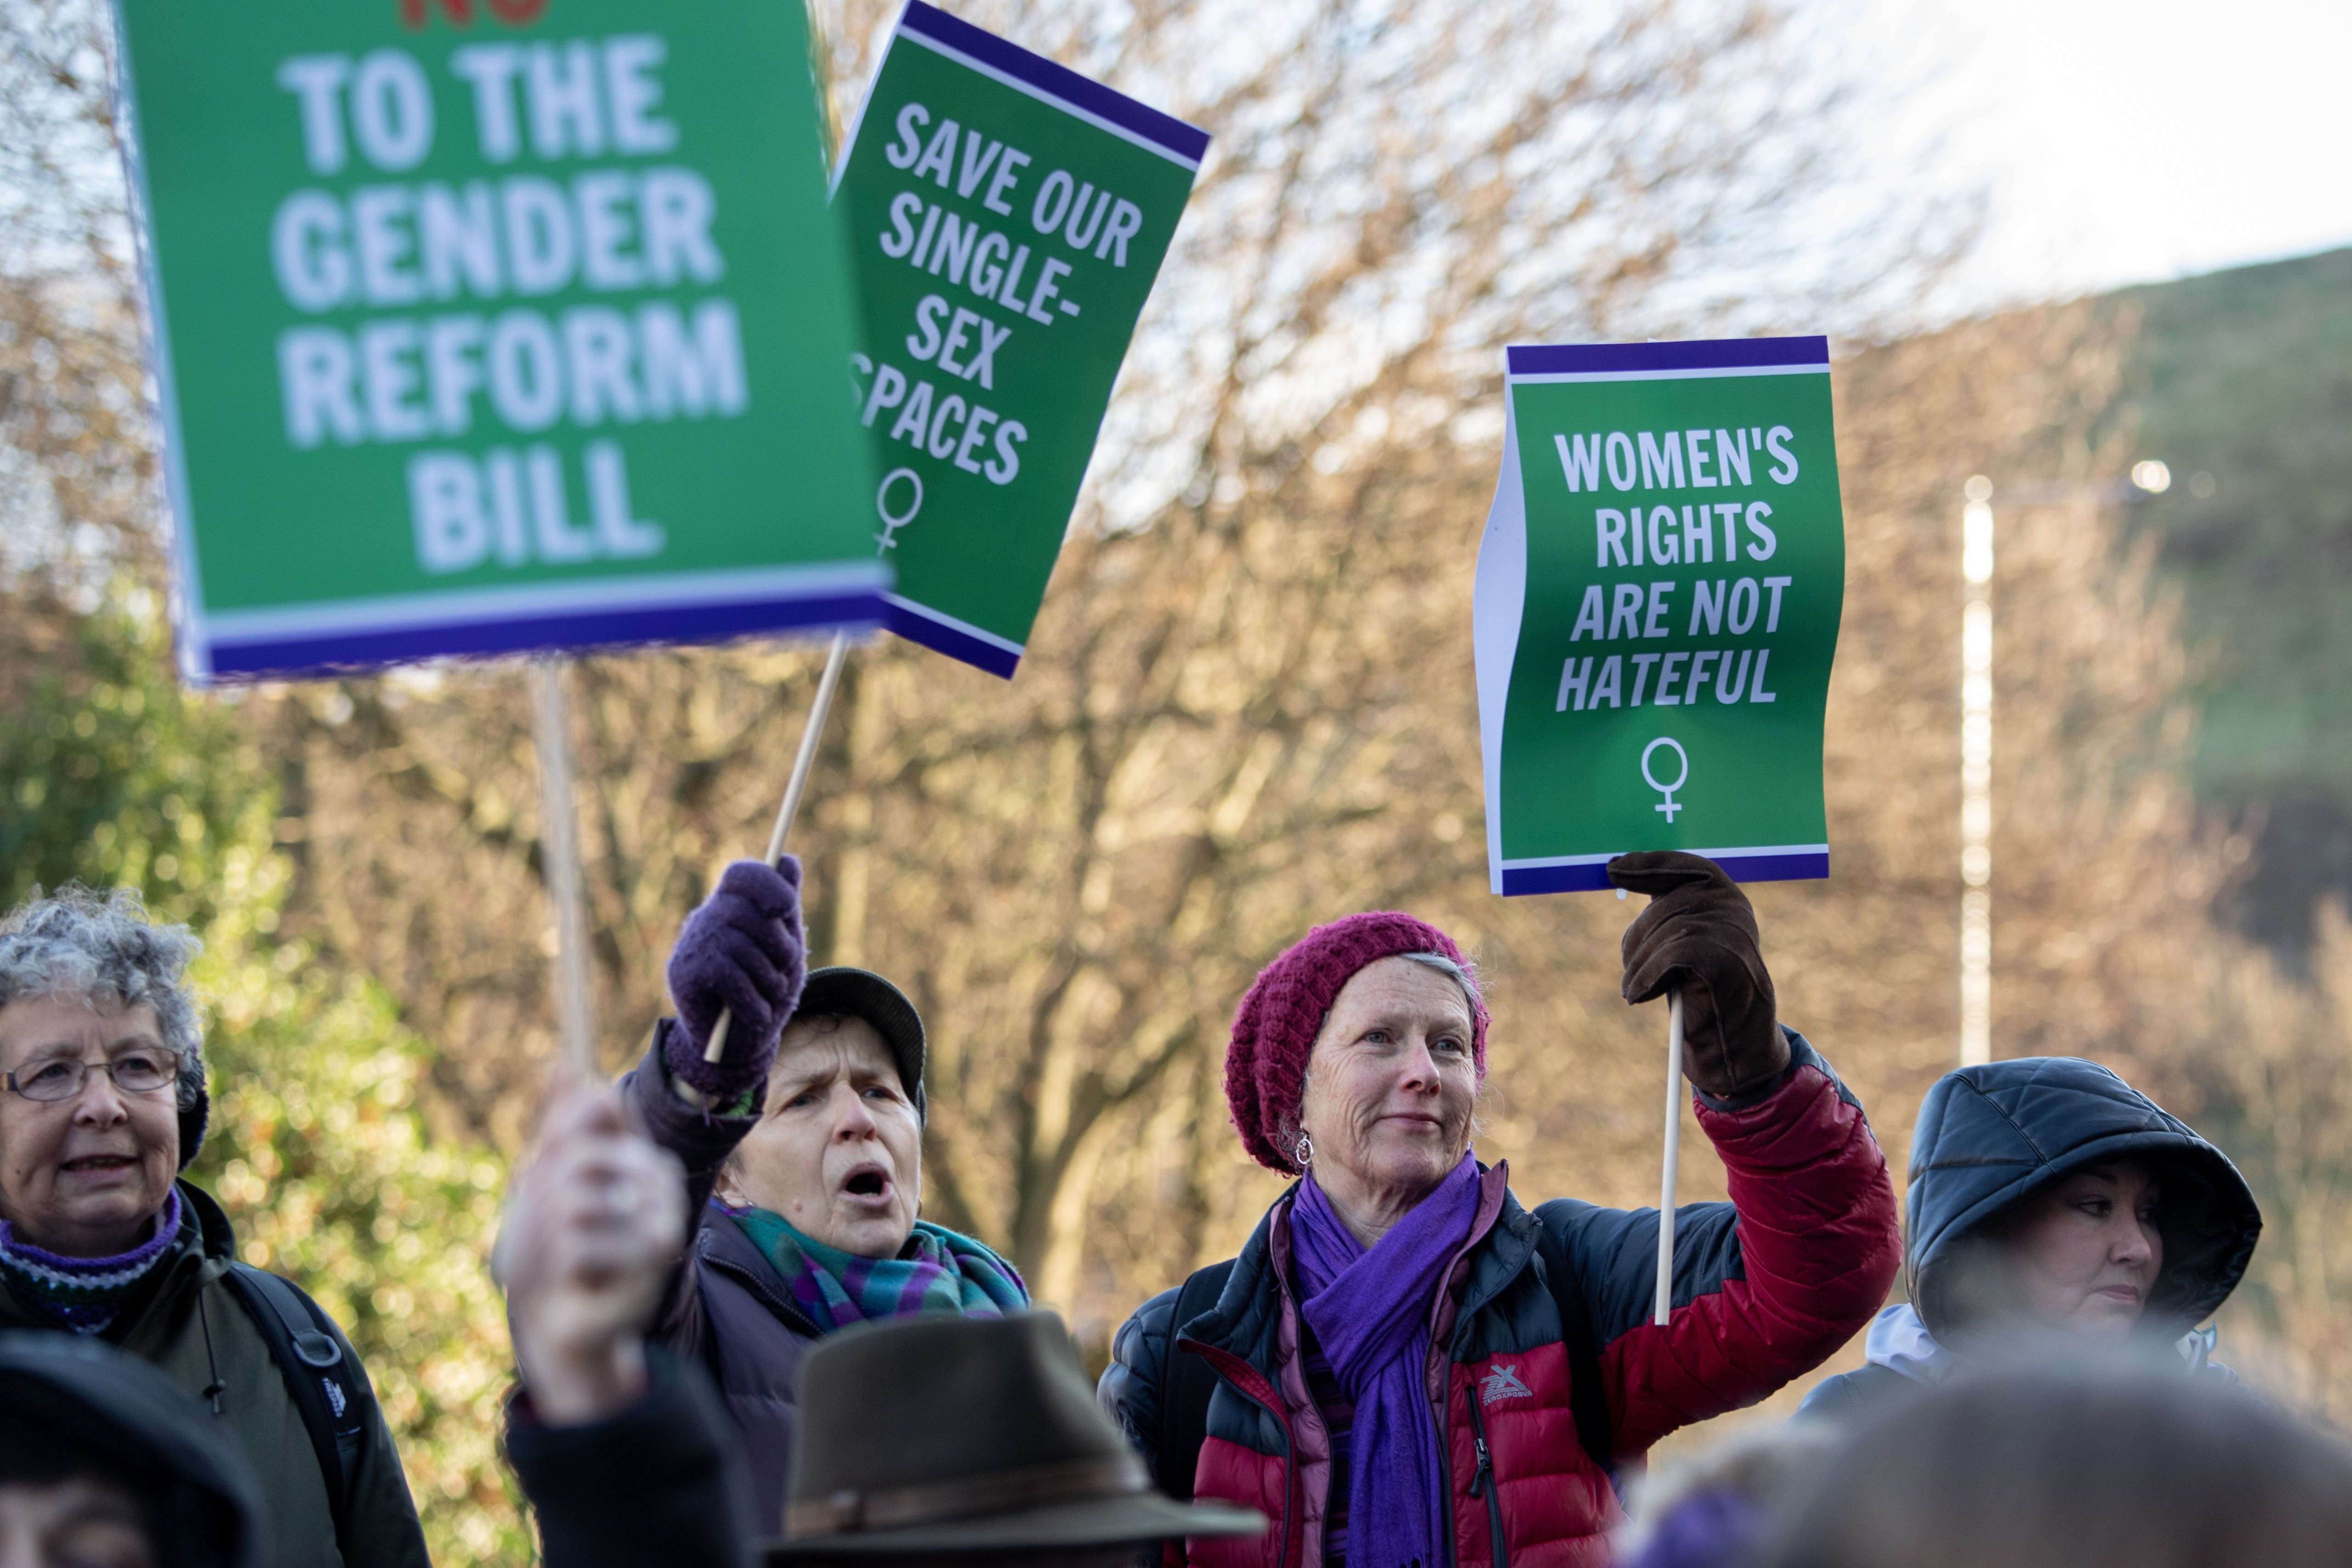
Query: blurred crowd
[{"x": 736, "y": 1338}]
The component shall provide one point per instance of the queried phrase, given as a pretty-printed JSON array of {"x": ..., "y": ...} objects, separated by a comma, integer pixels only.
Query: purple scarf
[
  {"x": 84, "y": 1294},
  {"x": 1371, "y": 1313}
]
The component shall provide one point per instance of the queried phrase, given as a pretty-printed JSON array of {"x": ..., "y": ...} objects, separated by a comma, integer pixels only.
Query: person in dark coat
[
  {"x": 2050, "y": 1197},
  {"x": 1404, "y": 1364},
  {"x": 621, "y": 1446},
  {"x": 104, "y": 1464},
  {"x": 802, "y": 1148},
  {"x": 932, "y": 1441}
]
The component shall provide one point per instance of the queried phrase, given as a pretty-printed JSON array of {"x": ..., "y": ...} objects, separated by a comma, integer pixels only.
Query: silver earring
[{"x": 1304, "y": 1152}]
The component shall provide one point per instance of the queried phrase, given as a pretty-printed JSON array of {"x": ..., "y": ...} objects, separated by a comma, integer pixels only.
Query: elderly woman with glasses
[{"x": 102, "y": 1105}]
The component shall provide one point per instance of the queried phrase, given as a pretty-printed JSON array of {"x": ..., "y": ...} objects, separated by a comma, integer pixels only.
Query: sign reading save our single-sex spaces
[
  {"x": 492, "y": 327},
  {"x": 1007, "y": 218},
  {"x": 1657, "y": 610}
]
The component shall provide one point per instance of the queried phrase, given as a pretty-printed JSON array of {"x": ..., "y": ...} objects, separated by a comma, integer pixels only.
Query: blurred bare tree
[{"x": 2270, "y": 1084}]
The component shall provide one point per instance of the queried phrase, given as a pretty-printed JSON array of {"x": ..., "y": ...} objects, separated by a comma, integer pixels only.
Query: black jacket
[
  {"x": 70, "y": 1406},
  {"x": 1991, "y": 1135},
  {"x": 185, "y": 1319},
  {"x": 657, "y": 1483},
  {"x": 726, "y": 1307}
]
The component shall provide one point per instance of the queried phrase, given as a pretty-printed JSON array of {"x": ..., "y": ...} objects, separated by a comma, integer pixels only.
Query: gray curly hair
[{"x": 78, "y": 943}]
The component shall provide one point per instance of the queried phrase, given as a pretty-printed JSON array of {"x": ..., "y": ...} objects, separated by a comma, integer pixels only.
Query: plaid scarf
[
  {"x": 84, "y": 1294},
  {"x": 937, "y": 1271}
]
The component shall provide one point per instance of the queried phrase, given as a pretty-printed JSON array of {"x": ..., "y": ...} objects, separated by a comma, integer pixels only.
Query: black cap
[{"x": 861, "y": 994}]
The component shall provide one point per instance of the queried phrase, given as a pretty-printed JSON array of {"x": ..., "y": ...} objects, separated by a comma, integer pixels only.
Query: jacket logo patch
[{"x": 1502, "y": 1383}]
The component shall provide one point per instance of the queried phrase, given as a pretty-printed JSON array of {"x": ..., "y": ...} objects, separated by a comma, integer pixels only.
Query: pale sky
[{"x": 2119, "y": 141}]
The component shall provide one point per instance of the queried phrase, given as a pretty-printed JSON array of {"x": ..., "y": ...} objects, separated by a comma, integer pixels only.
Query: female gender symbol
[
  {"x": 1667, "y": 790},
  {"x": 887, "y": 538}
]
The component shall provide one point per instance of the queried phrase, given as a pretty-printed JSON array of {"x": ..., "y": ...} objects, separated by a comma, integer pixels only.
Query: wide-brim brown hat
[{"x": 946, "y": 1434}]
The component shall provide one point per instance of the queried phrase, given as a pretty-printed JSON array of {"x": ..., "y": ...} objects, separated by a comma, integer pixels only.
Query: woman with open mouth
[
  {"x": 102, "y": 1105},
  {"x": 804, "y": 1153}
]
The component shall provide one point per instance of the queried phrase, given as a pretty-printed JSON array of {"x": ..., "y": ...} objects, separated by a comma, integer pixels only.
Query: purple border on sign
[
  {"x": 920, "y": 628},
  {"x": 1186, "y": 141},
  {"x": 327, "y": 653},
  {"x": 1703, "y": 353},
  {"x": 1593, "y": 875}
]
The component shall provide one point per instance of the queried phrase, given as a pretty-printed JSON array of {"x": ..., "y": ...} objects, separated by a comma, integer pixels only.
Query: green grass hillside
[{"x": 2243, "y": 387}]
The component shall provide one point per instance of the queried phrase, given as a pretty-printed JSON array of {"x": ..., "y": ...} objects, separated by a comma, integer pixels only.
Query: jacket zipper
[
  {"x": 1289, "y": 1441},
  {"x": 1482, "y": 1483}
]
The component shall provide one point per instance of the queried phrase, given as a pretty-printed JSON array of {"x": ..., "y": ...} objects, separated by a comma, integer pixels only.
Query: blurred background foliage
[
  {"x": 317, "y": 1147},
  {"x": 1247, "y": 707}
]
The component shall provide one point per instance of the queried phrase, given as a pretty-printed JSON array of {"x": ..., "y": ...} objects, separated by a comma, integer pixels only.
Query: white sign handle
[
  {"x": 559, "y": 844},
  {"x": 1665, "y": 1302},
  {"x": 835, "y": 656}
]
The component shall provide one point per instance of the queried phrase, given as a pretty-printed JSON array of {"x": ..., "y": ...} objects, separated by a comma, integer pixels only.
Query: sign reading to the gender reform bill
[
  {"x": 489, "y": 328},
  {"x": 1006, "y": 218},
  {"x": 1657, "y": 606}
]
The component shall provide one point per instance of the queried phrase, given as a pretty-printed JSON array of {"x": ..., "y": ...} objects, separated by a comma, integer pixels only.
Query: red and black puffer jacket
[{"x": 1766, "y": 1287}]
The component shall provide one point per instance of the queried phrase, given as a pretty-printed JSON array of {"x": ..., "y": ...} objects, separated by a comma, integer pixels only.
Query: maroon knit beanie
[{"x": 1274, "y": 1032}]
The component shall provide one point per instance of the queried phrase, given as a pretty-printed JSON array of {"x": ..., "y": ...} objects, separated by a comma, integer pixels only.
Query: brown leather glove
[{"x": 1700, "y": 932}]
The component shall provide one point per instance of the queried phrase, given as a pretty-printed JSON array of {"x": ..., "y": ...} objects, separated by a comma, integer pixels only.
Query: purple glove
[{"x": 742, "y": 950}]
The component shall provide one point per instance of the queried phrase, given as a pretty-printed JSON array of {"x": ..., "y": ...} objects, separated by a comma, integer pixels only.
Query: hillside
[{"x": 2243, "y": 385}]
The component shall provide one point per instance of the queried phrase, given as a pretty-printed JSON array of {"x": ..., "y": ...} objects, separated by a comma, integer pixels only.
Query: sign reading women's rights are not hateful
[
  {"x": 1008, "y": 217},
  {"x": 483, "y": 329},
  {"x": 1657, "y": 607}
]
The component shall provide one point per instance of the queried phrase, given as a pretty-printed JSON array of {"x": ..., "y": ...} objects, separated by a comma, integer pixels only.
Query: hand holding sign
[
  {"x": 1698, "y": 943},
  {"x": 741, "y": 955},
  {"x": 1699, "y": 936},
  {"x": 1657, "y": 606},
  {"x": 1008, "y": 217}
]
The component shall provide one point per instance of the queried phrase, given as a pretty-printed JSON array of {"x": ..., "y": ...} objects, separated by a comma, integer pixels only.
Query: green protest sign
[
  {"x": 482, "y": 328},
  {"x": 1657, "y": 609},
  {"x": 1007, "y": 218}
]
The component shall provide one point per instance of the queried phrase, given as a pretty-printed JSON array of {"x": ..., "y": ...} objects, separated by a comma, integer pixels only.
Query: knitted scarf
[
  {"x": 1371, "y": 1312},
  {"x": 937, "y": 1271},
  {"x": 84, "y": 1294}
]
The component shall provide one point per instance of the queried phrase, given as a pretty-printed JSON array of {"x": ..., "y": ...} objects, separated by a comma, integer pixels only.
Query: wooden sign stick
[
  {"x": 1674, "y": 1149},
  {"x": 835, "y": 656},
  {"x": 559, "y": 848}
]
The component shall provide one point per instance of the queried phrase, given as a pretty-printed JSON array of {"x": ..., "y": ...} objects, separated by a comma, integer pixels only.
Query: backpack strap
[
  {"x": 1588, "y": 1402},
  {"x": 330, "y": 1392},
  {"x": 1186, "y": 1382}
]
